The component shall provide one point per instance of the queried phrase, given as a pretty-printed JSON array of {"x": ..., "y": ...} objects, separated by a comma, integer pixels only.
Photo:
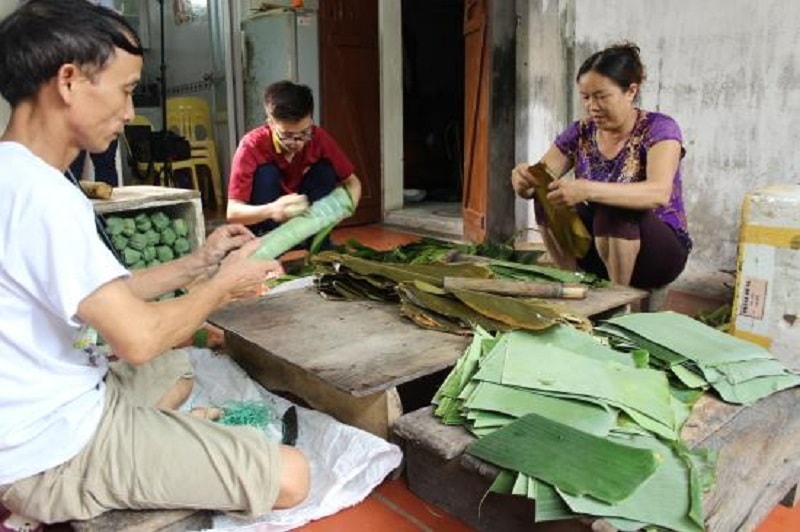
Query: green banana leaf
[
  {"x": 322, "y": 214},
  {"x": 517, "y": 402},
  {"x": 689, "y": 338},
  {"x": 664, "y": 500},
  {"x": 574, "y": 461},
  {"x": 644, "y": 391},
  {"x": 739, "y": 371},
  {"x": 538, "y": 272}
]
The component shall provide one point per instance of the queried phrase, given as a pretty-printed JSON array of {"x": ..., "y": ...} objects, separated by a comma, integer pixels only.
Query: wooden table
[
  {"x": 758, "y": 465},
  {"x": 347, "y": 358}
]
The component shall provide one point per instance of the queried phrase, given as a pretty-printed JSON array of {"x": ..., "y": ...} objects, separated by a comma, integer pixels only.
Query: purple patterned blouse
[{"x": 579, "y": 143}]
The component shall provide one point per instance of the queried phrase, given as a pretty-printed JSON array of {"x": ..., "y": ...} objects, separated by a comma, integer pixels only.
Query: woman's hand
[
  {"x": 523, "y": 181},
  {"x": 567, "y": 192}
]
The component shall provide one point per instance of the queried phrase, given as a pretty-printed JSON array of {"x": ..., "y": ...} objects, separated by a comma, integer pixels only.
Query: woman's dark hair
[
  {"x": 285, "y": 100},
  {"x": 620, "y": 63},
  {"x": 43, "y": 35}
]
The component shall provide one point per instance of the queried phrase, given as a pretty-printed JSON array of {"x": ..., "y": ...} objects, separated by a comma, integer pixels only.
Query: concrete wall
[
  {"x": 544, "y": 58},
  {"x": 727, "y": 71},
  {"x": 188, "y": 46},
  {"x": 391, "y": 80}
]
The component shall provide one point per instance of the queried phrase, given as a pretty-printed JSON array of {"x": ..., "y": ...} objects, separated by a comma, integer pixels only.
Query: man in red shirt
[{"x": 285, "y": 163}]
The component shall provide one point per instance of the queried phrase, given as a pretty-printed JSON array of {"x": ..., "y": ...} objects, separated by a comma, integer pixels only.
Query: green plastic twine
[{"x": 252, "y": 413}]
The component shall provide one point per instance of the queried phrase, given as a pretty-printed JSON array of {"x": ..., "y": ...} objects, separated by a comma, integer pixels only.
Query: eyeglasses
[{"x": 293, "y": 136}]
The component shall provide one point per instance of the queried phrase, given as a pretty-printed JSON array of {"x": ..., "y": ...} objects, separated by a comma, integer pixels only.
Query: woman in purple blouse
[{"x": 627, "y": 186}]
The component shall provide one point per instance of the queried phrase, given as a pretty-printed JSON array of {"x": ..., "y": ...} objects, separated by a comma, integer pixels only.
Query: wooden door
[
  {"x": 350, "y": 93},
  {"x": 476, "y": 119}
]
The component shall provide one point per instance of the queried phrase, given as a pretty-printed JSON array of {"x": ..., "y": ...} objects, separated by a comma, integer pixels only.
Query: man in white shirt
[{"x": 78, "y": 437}]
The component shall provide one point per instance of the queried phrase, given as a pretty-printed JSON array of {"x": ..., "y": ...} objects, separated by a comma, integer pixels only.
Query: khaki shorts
[{"x": 145, "y": 458}]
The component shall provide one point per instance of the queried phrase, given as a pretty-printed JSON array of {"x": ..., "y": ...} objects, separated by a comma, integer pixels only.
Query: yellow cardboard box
[{"x": 766, "y": 304}]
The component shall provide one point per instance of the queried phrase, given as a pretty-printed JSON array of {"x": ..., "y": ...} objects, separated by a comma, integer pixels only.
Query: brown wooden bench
[{"x": 758, "y": 465}]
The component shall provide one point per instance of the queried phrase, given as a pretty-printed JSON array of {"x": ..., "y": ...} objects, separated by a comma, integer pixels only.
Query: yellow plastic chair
[
  {"x": 157, "y": 168},
  {"x": 190, "y": 117}
]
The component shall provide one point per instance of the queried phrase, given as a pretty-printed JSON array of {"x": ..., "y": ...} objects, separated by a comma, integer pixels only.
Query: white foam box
[
  {"x": 174, "y": 202},
  {"x": 766, "y": 306}
]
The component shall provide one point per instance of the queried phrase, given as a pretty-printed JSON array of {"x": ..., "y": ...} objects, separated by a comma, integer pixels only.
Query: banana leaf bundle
[
  {"x": 318, "y": 220},
  {"x": 517, "y": 391},
  {"x": 502, "y": 259},
  {"x": 419, "y": 288},
  {"x": 669, "y": 498},
  {"x": 700, "y": 356},
  {"x": 564, "y": 223},
  {"x": 559, "y": 373}
]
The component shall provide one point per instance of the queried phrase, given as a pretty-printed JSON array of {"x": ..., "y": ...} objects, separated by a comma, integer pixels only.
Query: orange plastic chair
[{"x": 190, "y": 117}]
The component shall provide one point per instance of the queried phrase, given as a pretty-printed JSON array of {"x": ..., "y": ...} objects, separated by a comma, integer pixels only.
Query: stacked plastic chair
[{"x": 190, "y": 117}]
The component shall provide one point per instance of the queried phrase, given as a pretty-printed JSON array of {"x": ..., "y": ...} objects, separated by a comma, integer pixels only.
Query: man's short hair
[
  {"x": 285, "y": 100},
  {"x": 42, "y": 35}
]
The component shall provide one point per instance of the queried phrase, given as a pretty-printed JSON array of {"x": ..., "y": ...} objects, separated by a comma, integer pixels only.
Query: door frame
[
  {"x": 500, "y": 223},
  {"x": 502, "y": 42}
]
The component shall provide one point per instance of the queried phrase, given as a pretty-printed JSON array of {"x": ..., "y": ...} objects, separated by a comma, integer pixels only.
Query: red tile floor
[{"x": 392, "y": 506}]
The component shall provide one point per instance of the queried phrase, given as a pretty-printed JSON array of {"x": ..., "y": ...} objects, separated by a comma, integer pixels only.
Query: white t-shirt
[{"x": 51, "y": 381}]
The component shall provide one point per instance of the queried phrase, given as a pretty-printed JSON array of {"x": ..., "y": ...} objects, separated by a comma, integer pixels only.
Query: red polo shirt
[{"x": 257, "y": 148}]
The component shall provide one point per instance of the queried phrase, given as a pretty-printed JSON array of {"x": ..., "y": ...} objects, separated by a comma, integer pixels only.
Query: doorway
[{"x": 433, "y": 116}]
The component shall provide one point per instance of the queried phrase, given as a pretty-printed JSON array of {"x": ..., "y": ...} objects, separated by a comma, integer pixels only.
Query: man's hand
[
  {"x": 353, "y": 186},
  {"x": 221, "y": 242},
  {"x": 241, "y": 273},
  {"x": 288, "y": 206}
]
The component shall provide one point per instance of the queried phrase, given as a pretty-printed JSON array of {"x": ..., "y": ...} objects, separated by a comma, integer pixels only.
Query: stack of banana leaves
[
  {"x": 702, "y": 357},
  {"x": 581, "y": 428},
  {"x": 419, "y": 288}
]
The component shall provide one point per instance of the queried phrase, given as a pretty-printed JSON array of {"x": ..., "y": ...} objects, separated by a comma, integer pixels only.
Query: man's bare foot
[
  {"x": 212, "y": 412},
  {"x": 19, "y": 523},
  {"x": 177, "y": 395}
]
